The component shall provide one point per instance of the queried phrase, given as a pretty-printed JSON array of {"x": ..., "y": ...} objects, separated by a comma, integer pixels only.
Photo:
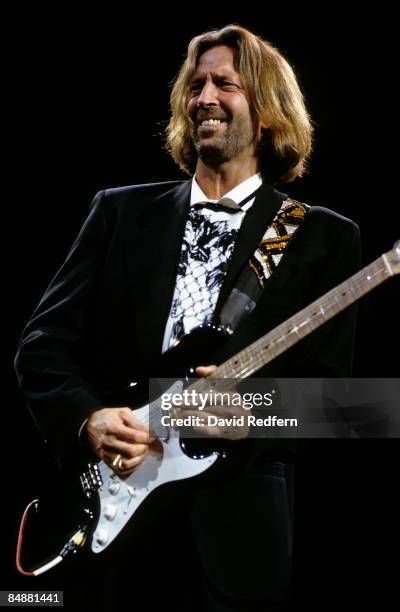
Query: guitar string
[
  {"x": 358, "y": 283},
  {"x": 257, "y": 355}
]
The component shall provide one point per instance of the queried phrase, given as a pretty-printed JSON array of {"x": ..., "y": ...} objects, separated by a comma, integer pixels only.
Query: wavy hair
[{"x": 274, "y": 97}]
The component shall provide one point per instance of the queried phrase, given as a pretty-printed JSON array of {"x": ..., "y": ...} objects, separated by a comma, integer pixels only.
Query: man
[{"x": 150, "y": 264}]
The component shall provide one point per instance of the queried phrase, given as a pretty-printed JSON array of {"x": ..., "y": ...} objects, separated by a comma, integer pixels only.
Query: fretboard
[{"x": 281, "y": 338}]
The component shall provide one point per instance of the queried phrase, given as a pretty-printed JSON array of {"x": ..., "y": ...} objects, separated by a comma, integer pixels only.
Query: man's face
[{"x": 218, "y": 106}]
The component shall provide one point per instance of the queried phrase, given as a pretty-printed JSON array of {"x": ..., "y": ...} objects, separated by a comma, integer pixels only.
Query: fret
[
  {"x": 251, "y": 358},
  {"x": 312, "y": 322},
  {"x": 355, "y": 294},
  {"x": 242, "y": 358},
  {"x": 247, "y": 366},
  {"x": 295, "y": 330},
  {"x": 280, "y": 339},
  {"x": 338, "y": 303},
  {"x": 328, "y": 305},
  {"x": 301, "y": 327}
]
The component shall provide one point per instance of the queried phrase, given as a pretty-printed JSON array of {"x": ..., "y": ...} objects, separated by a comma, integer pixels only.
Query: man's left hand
[{"x": 227, "y": 426}]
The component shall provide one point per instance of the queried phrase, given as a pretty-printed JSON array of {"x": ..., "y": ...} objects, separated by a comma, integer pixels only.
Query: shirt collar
[{"x": 237, "y": 194}]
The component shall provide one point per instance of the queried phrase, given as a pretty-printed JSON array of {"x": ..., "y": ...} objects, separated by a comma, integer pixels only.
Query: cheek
[
  {"x": 191, "y": 107},
  {"x": 236, "y": 105}
]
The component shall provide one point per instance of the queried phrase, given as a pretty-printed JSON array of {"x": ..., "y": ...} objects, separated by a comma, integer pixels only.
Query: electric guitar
[{"x": 105, "y": 502}]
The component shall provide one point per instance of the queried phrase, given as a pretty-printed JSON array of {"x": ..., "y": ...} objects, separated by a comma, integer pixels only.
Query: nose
[{"x": 208, "y": 95}]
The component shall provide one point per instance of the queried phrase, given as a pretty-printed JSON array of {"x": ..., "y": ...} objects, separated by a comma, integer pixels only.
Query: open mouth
[
  {"x": 210, "y": 122},
  {"x": 210, "y": 125}
]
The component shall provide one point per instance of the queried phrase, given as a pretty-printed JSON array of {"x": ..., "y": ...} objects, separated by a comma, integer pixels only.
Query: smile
[
  {"x": 210, "y": 122},
  {"x": 207, "y": 127}
]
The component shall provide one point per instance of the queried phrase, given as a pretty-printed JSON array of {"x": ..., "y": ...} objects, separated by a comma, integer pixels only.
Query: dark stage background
[{"x": 89, "y": 102}]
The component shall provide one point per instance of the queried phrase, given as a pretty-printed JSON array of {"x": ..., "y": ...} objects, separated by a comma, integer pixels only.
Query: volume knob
[
  {"x": 110, "y": 511},
  {"x": 114, "y": 488},
  {"x": 101, "y": 536}
]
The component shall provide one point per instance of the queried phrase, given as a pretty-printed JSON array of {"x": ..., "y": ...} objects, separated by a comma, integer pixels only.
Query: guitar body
[
  {"x": 172, "y": 458},
  {"x": 102, "y": 502}
]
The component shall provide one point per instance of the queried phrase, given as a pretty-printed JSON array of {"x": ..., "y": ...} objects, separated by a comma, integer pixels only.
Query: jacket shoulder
[
  {"x": 327, "y": 216},
  {"x": 321, "y": 214},
  {"x": 136, "y": 196},
  {"x": 144, "y": 189}
]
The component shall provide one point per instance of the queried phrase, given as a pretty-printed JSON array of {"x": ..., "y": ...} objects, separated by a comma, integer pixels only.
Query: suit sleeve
[
  {"x": 51, "y": 350},
  {"x": 328, "y": 351}
]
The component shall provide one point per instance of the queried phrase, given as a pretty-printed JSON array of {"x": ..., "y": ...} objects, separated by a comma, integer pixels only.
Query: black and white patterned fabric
[{"x": 206, "y": 249}]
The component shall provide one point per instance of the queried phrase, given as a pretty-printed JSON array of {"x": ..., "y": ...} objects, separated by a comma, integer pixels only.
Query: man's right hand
[{"x": 116, "y": 431}]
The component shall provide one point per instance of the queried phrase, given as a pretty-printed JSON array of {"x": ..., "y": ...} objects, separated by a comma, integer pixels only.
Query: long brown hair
[{"x": 274, "y": 96}]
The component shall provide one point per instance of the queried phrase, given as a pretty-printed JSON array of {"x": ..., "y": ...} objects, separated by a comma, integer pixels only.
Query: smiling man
[{"x": 154, "y": 261}]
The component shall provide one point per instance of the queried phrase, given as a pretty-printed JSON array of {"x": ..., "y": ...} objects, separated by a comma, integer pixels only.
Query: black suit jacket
[{"x": 101, "y": 321}]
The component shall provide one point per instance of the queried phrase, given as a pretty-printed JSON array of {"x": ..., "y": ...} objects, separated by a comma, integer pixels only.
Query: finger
[
  {"x": 130, "y": 434},
  {"x": 205, "y": 370},
  {"x": 228, "y": 433},
  {"x": 212, "y": 431},
  {"x": 128, "y": 465},
  {"x": 193, "y": 412},
  {"x": 128, "y": 418},
  {"x": 133, "y": 423},
  {"x": 127, "y": 451}
]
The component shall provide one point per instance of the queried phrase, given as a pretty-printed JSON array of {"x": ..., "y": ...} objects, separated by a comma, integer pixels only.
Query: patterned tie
[{"x": 206, "y": 250}]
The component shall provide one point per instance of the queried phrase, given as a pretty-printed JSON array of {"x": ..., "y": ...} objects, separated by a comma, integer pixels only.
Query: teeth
[{"x": 211, "y": 122}]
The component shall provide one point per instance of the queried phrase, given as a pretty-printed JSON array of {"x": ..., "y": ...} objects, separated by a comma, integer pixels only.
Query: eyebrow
[{"x": 217, "y": 76}]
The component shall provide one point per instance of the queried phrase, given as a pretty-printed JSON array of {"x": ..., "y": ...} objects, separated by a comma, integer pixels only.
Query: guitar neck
[{"x": 281, "y": 338}]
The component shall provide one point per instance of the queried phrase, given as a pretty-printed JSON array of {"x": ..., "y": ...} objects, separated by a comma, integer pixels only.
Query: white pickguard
[{"x": 120, "y": 497}]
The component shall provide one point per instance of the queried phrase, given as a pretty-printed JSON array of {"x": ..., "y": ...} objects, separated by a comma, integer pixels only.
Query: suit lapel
[
  {"x": 152, "y": 261},
  {"x": 255, "y": 223}
]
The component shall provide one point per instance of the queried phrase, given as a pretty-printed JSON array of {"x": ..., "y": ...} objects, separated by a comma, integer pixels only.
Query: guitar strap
[{"x": 266, "y": 258}]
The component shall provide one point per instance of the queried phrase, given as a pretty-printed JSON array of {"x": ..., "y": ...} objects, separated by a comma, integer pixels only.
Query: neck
[{"x": 215, "y": 182}]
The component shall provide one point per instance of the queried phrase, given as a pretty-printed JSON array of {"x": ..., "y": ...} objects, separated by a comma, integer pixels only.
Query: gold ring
[{"x": 117, "y": 462}]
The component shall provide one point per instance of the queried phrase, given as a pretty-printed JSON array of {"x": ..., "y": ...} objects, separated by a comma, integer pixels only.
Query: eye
[
  {"x": 195, "y": 88},
  {"x": 229, "y": 86}
]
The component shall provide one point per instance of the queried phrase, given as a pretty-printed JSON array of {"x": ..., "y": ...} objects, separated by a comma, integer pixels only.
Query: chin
[{"x": 209, "y": 152}]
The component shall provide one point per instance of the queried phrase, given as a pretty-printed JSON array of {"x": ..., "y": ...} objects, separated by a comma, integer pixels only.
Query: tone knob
[
  {"x": 114, "y": 488},
  {"x": 101, "y": 536},
  {"x": 110, "y": 511}
]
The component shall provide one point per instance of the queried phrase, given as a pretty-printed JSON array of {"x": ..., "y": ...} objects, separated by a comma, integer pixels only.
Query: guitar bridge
[{"x": 91, "y": 479}]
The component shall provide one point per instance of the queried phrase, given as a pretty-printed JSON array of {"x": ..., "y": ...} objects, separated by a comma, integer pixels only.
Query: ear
[{"x": 262, "y": 127}]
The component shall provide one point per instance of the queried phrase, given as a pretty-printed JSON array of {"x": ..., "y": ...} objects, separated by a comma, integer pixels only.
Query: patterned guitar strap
[{"x": 268, "y": 255}]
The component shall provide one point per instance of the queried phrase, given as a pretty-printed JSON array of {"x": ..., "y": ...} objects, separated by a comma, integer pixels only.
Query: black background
[{"x": 88, "y": 101}]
